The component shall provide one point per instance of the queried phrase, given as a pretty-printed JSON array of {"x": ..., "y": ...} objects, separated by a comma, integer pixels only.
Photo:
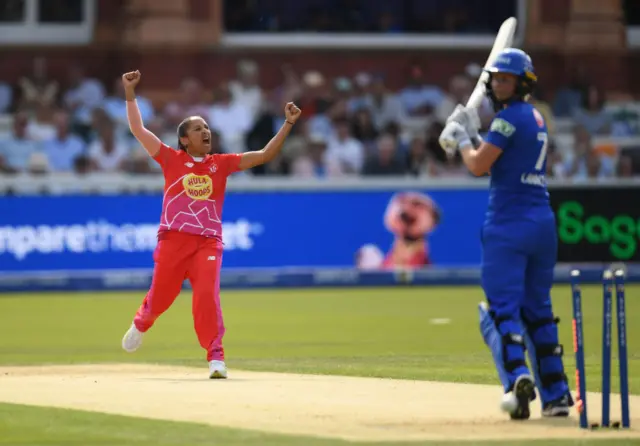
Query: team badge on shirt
[{"x": 197, "y": 187}]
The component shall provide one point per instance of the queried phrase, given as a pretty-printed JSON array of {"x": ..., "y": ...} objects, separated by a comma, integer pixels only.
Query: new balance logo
[
  {"x": 188, "y": 164},
  {"x": 211, "y": 258}
]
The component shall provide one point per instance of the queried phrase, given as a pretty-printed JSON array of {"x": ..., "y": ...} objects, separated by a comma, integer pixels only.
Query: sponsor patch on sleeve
[{"x": 503, "y": 127}]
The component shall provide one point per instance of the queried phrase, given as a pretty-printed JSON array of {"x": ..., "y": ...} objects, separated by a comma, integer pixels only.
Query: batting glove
[
  {"x": 467, "y": 117},
  {"x": 453, "y": 137}
]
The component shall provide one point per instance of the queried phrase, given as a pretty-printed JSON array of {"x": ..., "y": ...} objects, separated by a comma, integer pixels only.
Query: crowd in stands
[{"x": 351, "y": 126}]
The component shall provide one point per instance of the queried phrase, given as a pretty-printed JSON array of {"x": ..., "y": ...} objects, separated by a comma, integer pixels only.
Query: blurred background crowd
[{"x": 352, "y": 125}]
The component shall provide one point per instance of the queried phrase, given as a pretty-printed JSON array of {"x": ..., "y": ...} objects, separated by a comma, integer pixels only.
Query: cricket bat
[{"x": 504, "y": 39}]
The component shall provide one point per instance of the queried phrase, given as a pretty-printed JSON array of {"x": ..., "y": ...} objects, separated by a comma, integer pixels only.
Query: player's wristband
[
  {"x": 465, "y": 144},
  {"x": 288, "y": 122}
]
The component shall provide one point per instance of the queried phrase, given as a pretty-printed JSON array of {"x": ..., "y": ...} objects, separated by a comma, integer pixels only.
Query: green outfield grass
[
  {"x": 35, "y": 426},
  {"x": 361, "y": 332}
]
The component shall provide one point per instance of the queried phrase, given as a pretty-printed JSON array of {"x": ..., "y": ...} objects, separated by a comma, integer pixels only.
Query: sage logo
[{"x": 618, "y": 232}]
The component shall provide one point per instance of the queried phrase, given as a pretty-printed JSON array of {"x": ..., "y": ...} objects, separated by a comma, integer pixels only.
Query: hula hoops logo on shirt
[
  {"x": 501, "y": 126},
  {"x": 198, "y": 187}
]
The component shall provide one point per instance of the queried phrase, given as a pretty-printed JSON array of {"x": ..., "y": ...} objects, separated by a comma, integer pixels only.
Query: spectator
[
  {"x": 230, "y": 119},
  {"x": 107, "y": 152},
  {"x": 460, "y": 89},
  {"x": 84, "y": 95},
  {"x": 555, "y": 167},
  {"x": 625, "y": 167},
  {"x": 260, "y": 134},
  {"x": 441, "y": 164},
  {"x": 18, "y": 148},
  {"x": 568, "y": 99},
  {"x": 63, "y": 149},
  {"x": 344, "y": 150},
  {"x": 342, "y": 90},
  {"x": 245, "y": 90},
  {"x": 189, "y": 103},
  {"x": 594, "y": 168},
  {"x": 41, "y": 127},
  {"x": 419, "y": 163},
  {"x": 312, "y": 164},
  {"x": 290, "y": 90},
  {"x": 394, "y": 129},
  {"x": 362, "y": 90},
  {"x": 140, "y": 161},
  {"x": 38, "y": 164},
  {"x": 625, "y": 119},
  {"x": 36, "y": 89},
  {"x": 584, "y": 163},
  {"x": 453, "y": 167},
  {"x": 116, "y": 108},
  {"x": 363, "y": 129},
  {"x": 383, "y": 105},
  {"x": 418, "y": 98},
  {"x": 592, "y": 115},
  {"x": 385, "y": 161},
  {"x": 434, "y": 151},
  {"x": 317, "y": 100}
]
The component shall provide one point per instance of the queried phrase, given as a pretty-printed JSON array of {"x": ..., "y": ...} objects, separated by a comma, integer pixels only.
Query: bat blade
[{"x": 504, "y": 39}]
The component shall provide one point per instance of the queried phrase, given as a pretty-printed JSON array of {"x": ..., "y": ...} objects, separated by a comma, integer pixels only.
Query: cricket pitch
[{"x": 356, "y": 409}]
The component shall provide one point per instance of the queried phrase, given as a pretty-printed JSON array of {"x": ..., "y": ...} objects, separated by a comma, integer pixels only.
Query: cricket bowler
[{"x": 190, "y": 231}]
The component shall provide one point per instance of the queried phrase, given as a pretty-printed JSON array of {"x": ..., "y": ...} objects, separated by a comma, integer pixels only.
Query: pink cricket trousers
[{"x": 179, "y": 256}]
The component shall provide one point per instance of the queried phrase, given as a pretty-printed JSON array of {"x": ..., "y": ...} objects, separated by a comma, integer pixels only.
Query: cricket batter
[
  {"x": 190, "y": 232},
  {"x": 519, "y": 241}
]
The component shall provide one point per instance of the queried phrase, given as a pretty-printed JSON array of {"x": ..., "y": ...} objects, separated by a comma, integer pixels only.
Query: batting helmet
[{"x": 517, "y": 62}]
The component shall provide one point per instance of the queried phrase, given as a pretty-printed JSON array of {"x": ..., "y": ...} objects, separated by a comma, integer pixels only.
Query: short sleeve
[
  {"x": 502, "y": 131},
  {"x": 164, "y": 155},
  {"x": 229, "y": 162}
]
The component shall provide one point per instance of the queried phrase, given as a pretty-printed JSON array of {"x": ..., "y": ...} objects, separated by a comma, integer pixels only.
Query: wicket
[{"x": 610, "y": 280}]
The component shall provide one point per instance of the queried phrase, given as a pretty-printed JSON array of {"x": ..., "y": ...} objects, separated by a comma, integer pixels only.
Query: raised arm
[
  {"x": 150, "y": 142},
  {"x": 273, "y": 147}
]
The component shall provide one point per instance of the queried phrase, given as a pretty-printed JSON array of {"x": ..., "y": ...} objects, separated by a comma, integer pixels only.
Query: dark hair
[{"x": 182, "y": 132}]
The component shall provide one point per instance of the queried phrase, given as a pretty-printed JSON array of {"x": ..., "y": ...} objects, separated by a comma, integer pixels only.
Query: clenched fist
[
  {"x": 292, "y": 112},
  {"x": 131, "y": 79}
]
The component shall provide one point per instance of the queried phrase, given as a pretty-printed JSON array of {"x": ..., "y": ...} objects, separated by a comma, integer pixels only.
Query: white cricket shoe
[
  {"x": 516, "y": 402},
  {"x": 132, "y": 339},
  {"x": 217, "y": 370}
]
